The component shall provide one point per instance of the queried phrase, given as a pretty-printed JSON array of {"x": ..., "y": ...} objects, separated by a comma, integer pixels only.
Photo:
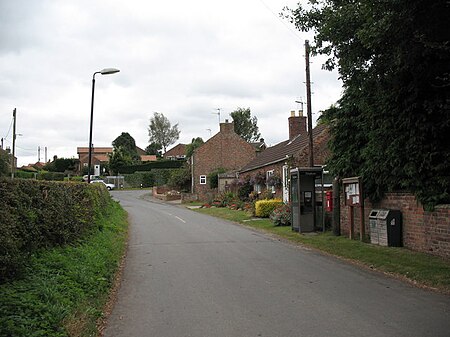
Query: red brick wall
[
  {"x": 225, "y": 150},
  {"x": 423, "y": 231}
]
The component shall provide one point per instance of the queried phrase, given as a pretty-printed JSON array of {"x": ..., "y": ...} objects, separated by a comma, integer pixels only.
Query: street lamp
[{"x": 106, "y": 71}]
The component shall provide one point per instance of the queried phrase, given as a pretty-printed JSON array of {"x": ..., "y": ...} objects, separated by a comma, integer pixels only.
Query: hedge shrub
[
  {"x": 160, "y": 164},
  {"x": 147, "y": 179},
  {"x": 281, "y": 215},
  {"x": 40, "y": 214},
  {"x": 263, "y": 208}
]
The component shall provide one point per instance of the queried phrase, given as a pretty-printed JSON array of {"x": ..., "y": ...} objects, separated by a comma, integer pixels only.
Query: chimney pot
[{"x": 293, "y": 113}]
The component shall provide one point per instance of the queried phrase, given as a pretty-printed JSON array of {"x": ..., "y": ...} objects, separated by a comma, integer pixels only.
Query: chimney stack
[
  {"x": 297, "y": 125},
  {"x": 227, "y": 127}
]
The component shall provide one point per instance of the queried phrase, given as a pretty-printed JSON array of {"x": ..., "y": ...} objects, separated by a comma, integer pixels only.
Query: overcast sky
[{"x": 181, "y": 58}]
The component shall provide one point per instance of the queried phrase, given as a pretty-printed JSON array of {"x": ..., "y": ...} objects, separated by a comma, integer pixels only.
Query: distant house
[
  {"x": 148, "y": 157},
  {"x": 178, "y": 152},
  {"x": 100, "y": 156},
  {"x": 270, "y": 169},
  {"x": 225, "y": 150}
]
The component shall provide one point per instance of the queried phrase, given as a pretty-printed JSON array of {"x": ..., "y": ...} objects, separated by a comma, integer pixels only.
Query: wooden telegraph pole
[
  {"x": 13, "y": 164},
  {"x": 308, "y": 106}
]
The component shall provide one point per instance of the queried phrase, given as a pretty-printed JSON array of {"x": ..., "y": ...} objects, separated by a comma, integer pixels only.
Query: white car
[
  {"x": 93, "y": 177},
  {"x": 108, "y": 186}
]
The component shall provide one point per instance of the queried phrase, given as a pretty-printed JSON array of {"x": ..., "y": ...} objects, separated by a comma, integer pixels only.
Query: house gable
[{"x": 225, "y": 150}]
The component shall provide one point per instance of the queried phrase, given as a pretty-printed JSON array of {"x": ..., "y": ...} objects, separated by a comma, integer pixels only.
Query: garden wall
[{"x": 423, "y": 231}]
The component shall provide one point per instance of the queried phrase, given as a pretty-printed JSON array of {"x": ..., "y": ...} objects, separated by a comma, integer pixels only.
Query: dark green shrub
[
  {"x": 180, "y": 179},
  {"x": 244, "y": 191},
  {"x": 146, "y": 179},
  {"x": 162, "y": 176},
  {"x": 25, "y": 175},
  {"x": 213, "y": 177},
  {"x": 38, "y": 214},
  {"x": 160, "y": 164},
  {"x": 56, "y": 176}
]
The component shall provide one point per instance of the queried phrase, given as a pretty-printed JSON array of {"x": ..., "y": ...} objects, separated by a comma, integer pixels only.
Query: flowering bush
[
  {"x": 275, "y": 180},
  {"x": 258, "y": 179},
  {"x": 263, "y": 208},
  {"x": 281, "y": 215}
]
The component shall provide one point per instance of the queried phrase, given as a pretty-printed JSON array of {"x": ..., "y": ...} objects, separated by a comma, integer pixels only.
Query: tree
[
  {"x": 162, "y": 132},
  {"x": 61, "y": 165},
  {"x": 128, "y": 144},
  {"x": 4, "y": 163},
  {"x": 154, "y": 148},
  {"x": 195, "y": 143},
  {"x": 392, "y": 122},
  {"x": 119, "y": 158},
  {"x": 245, "y": 125}
]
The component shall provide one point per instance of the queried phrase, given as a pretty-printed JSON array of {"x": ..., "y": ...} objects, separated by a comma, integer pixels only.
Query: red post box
[{"x": 329, "y": 200}]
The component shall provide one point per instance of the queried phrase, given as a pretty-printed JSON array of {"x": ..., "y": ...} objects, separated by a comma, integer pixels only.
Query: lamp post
[{"x": 106, "y": 71}]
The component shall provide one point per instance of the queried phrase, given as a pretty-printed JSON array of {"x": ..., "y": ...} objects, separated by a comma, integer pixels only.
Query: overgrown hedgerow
[{"x": 42, "y": 214}]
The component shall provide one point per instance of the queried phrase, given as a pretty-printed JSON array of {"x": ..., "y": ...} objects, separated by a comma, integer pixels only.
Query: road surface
[{"x": 188, "y": 274}]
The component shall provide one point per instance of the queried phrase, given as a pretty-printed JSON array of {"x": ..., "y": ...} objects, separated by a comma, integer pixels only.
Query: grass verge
[
  {"x": 65, "y": 289},
  {"x": 419, "y": 268}
]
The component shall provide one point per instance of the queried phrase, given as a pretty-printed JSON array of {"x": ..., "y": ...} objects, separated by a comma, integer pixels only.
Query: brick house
[
  {"x": 225, "y": 150},
  {"x": 178, "y": 152},
  {"x": 270, "y": 169}
]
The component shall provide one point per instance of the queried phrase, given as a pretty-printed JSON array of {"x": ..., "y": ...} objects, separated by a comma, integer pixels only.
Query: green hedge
[
  {"x": 40, "y": 214},
  {"x": 263, "y": 208},
  {"x": 160, "y": 164},
  {"x": 147, "y": 179}
]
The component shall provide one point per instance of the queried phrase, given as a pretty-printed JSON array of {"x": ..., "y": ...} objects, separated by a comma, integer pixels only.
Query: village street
[{"x": 188, "y": 274}]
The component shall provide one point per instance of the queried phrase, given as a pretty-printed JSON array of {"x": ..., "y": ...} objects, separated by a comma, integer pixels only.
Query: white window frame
[
  {"x": 257, "y": 188},
  {"x": 269, "y": 174},
  {"x": 202, "y": 180}
]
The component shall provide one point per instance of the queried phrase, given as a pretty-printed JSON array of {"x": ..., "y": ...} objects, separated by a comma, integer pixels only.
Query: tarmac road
[{"x": 188, "y": 274}]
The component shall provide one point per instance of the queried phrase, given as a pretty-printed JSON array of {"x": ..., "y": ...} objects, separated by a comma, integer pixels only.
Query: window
[
  {"x": 269, "y": 187},
  {"x": 257, "y": 188},
  {"x": 202, "y": 180}
]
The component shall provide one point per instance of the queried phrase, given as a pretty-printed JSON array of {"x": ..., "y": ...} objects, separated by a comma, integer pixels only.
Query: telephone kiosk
[{"x": 303, "y": 197}]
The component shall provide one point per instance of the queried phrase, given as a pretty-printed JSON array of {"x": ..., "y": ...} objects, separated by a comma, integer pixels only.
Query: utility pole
[
  {"x": 46, "y": 154},
  {"x": 308, "y": 106},
  {"x": 39, "y": 154},
  {"x": 13, "y": 145},
  {"x": 2, "y": 145}
]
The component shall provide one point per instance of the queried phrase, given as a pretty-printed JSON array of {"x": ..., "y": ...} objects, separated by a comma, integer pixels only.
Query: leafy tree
[
  {"x": 195, "y": 143},
  {"x": 119, "y": 158},
  {"x": 162, "y": 132},
  {"x": 180, "y": 179},
  {"x": 154, "y": 148},
  {"x": 391, "y": 125},
  {"x": 128, "y": 144},
  {"x": 61, "y": 165},
  {"x": 4, "y": 163},
  {"x": 245, "y": 125}
]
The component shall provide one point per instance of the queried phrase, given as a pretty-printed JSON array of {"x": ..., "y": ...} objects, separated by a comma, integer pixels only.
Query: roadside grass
[
  {"x": 419, "y": 268},
  {"x": 65, "y": 289}
]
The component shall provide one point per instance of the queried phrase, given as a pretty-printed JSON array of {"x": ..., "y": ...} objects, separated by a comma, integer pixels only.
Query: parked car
[
  {"x": 99, "y": 181},
  {"x": 93, "y": 177}
]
